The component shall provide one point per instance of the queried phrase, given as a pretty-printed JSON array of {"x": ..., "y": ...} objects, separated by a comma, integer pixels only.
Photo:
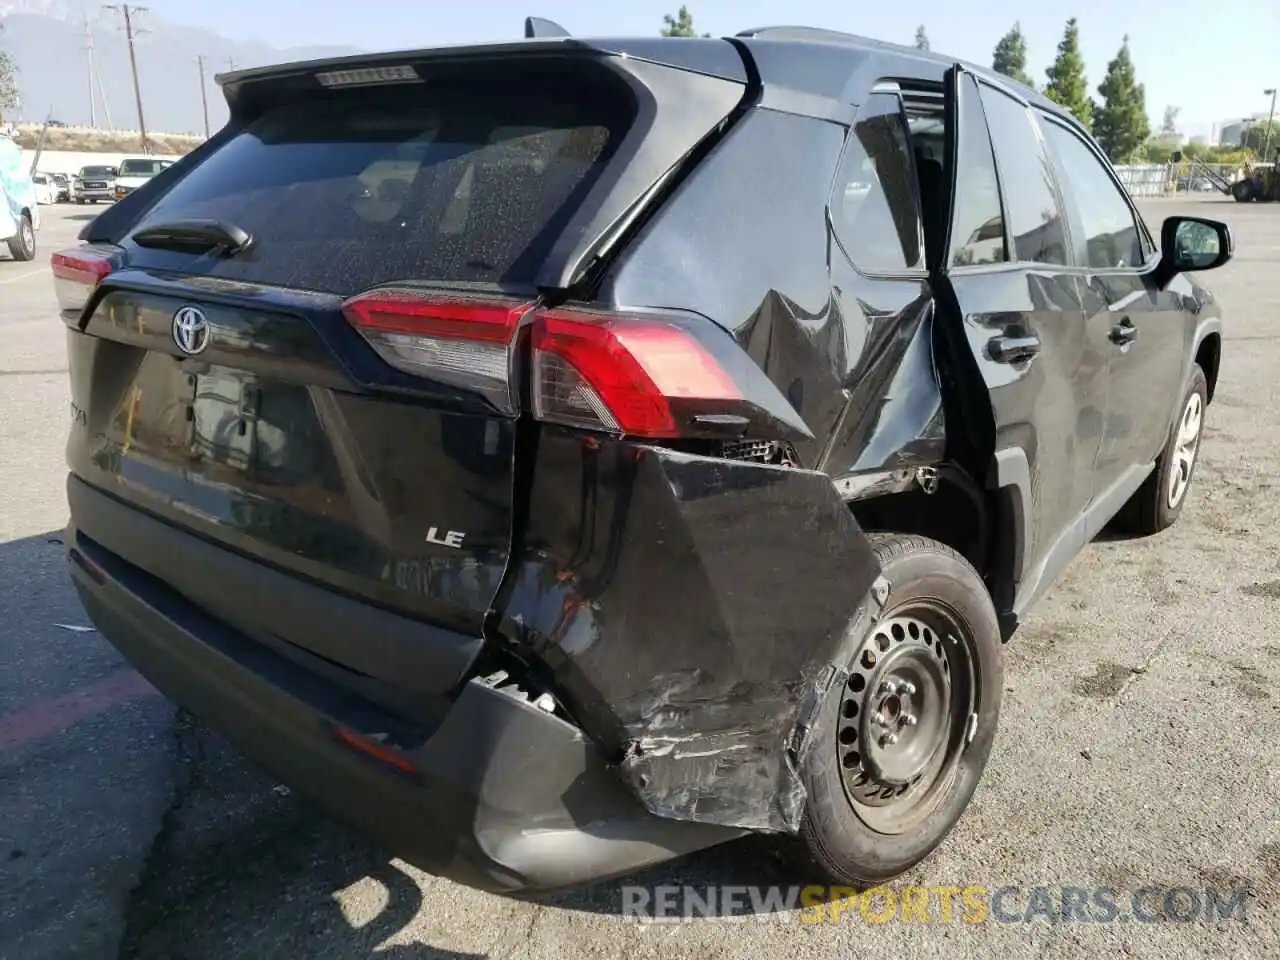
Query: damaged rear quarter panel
[{"x": 689, "y": 609}]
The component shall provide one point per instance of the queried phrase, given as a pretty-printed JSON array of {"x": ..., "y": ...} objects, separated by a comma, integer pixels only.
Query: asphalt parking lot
[{"x": 1139, "y": 746}]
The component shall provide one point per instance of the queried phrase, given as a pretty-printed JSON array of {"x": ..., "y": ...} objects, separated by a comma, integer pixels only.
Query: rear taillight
[
  {"x": 76, "y": 274},
  {"x": 461, "y": 341},
  {"x": 640, "y": 376},
  {"x": 620, "y": 375}
]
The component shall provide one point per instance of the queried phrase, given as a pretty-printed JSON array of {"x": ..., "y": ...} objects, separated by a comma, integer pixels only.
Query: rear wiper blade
[{"x": 215, "y": 237}]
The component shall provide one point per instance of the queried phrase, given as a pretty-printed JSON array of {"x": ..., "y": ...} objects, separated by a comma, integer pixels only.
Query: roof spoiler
[{"x": 538, "y": 27}]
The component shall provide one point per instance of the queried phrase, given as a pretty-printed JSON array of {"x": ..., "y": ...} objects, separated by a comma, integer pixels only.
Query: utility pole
[
  {"x": 1266, "y": 137},
  {"x": 232, "y": 64},
  {"x": 133, "y": 63},
  {"x": 204, "y": 100},
  {"x": 88, "y": 45}
]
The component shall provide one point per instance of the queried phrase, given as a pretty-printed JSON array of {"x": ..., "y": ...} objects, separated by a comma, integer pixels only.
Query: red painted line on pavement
[{"x": 55, "y": 714}]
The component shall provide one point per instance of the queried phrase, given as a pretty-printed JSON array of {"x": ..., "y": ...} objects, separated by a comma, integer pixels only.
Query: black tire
[
  {"x": 931, "y": 586},
  {"x": 1153, "y": 507},
  {"x": 23, "y": 246},
  {"x": 1242, "y": 191}
]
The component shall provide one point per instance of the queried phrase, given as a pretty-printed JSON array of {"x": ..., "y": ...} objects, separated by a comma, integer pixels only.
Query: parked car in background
[
  {"x": 134, "y": 172},
  {"x": 46, "y": 189},
  {"x": 62, "y": 183},
  {"x": 19, "y": 208},
  {"x": 94, "y": 183}
]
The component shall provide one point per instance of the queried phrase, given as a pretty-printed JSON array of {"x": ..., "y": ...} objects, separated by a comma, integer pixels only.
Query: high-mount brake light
[
  {"x": 463, "y": 341},
  {"x": 620, "y": 374},
  {"x": 76, "y": 274},
  {"x": 368, "y": 76}
]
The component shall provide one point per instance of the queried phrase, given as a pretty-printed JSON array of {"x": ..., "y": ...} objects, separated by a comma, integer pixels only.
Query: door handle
[
  {"x": 1124, "y": 332},
  {"x": 1013, "y": 349}
]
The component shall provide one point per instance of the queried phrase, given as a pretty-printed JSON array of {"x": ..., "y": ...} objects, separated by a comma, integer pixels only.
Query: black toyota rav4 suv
[{"x": 557, "y": 456}]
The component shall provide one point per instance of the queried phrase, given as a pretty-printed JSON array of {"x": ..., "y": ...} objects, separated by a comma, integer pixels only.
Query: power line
[{"x": 129, "y": 31}]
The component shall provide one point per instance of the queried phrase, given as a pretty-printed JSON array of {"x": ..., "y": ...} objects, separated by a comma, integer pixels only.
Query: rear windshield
[
  {"x": 98, "y": 172},
  {"x": 466, "y": 182},
  {"x": 140, "y": 168}
]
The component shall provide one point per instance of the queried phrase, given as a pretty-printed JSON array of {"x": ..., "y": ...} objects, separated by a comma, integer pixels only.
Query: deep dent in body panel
[{"x": 673, "y": 647}]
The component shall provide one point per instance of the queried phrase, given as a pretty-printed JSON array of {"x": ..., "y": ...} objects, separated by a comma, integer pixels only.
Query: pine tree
[
  {"x": 1120, "y": 123},
  {"x": 1010, "y": 57},
  {"x": 922, "y": 38},
  {"x": 1067, "y": 84},
  {"x": 681, "y": 25},
  {"x": 1169, "y": 125}
]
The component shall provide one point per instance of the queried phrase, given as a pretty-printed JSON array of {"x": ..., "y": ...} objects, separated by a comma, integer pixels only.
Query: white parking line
[{"x": 25, "y": 276}]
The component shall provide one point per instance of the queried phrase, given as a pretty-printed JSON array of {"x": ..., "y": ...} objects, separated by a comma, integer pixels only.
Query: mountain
[{"x": 48, "y": 43}]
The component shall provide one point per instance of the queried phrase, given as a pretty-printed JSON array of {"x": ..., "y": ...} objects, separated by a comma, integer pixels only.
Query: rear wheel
[
  {"x": 23, "y": 246},
  {"x": 900, "y": 746}
]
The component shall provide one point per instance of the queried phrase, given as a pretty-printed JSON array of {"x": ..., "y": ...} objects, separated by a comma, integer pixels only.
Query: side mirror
[{"x": 1188, "y": 244}]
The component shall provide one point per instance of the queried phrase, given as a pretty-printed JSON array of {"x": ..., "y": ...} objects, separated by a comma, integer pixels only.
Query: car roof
[{"x": 810, "y": 60}]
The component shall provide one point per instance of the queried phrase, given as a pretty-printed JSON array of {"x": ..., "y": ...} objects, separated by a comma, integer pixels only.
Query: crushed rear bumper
[{"x": 500, "y": 796}]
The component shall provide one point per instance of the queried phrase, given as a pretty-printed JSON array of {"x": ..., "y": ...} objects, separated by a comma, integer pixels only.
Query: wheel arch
[
  {"x": 1208, "y": 354},
  {"x": 986, "y": 527}
]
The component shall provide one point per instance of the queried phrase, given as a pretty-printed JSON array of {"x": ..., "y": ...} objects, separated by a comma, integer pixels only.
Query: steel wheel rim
[
  {"x": 916, "y": 663},
  {"x": 1185, "y": 447},
  {"x": 28, "y": 235}
]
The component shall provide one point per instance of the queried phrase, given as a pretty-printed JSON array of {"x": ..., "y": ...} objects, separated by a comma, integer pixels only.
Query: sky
[{"x": 1212, "y": 60}]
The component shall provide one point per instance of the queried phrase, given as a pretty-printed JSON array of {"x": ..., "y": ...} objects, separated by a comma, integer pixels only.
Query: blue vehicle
[{"x": 19, "y": 211}]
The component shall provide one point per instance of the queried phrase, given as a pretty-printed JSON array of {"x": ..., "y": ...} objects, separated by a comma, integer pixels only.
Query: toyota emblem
[{"x": 190, "y": 330}]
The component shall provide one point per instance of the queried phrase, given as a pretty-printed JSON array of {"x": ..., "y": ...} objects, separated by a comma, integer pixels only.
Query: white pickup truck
[
  {"x": 19, "y": 211},
  {"x": 135, "y": 171}
]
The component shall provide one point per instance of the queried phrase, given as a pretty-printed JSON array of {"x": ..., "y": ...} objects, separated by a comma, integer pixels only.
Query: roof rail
[
  {"x": 541, "y": 27},
  {"x": 799, "y": 33}
]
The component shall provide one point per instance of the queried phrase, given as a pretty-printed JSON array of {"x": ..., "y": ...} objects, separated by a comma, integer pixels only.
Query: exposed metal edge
[{"x": 863, "y": 485}]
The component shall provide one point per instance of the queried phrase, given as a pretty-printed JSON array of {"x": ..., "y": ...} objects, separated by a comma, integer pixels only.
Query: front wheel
[
  {"x": 1242, "y": 191},
  {"x": 900, "y": 745},
  {"x": 23, "y": 246},
  {"x": 1159, "y": 501}
]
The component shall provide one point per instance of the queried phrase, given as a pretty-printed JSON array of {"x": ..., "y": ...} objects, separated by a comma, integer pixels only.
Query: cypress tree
[
  {"x": 1010, "y": 57},
  {"x": 1067, "y": 84},
  {"x": 1120, "y": 122}
]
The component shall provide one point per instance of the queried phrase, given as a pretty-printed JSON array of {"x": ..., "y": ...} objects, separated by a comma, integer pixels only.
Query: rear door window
[
  {"x": 467, "y": 183},
  {"x": 1026, "y": 179},
  {"x": 978, "y": 219}
]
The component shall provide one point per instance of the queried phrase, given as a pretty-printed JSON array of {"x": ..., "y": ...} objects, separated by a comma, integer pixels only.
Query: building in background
[{"x": 1231, "y": 132}]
